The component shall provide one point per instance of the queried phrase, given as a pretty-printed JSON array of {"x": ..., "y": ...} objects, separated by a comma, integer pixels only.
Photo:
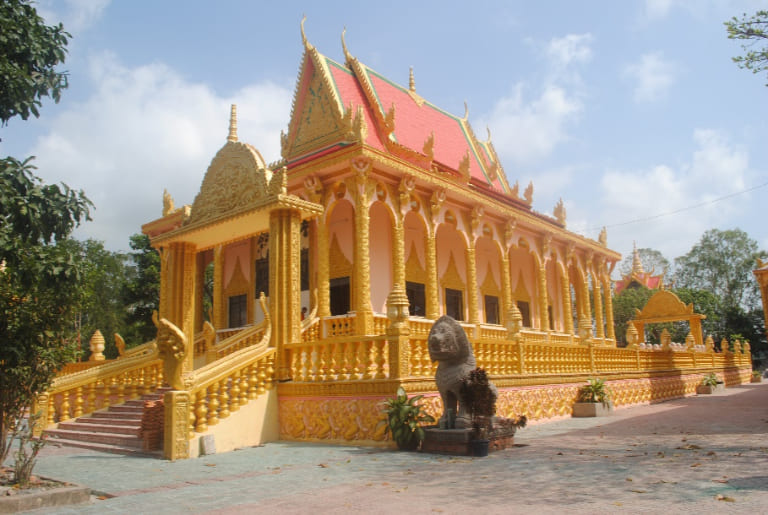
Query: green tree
[
  {"x": 624, "y": 305},
  {"x": 30, "y": 51},
  {"x": 103, "y": 279},
  {"x": 38, "y": 278},
  {"x": 141, "y": 291},
  {"x": 39, "y": 287},
  {"x": 722, "y": 263},
  {"x": 753, "y": 30}
]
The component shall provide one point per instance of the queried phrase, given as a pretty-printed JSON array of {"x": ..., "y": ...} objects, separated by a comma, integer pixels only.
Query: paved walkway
[{"x": 699, "y": 454}]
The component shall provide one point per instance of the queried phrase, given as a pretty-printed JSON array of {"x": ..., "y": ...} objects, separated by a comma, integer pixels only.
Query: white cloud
[
  {"x": 657, "y": 9},
  {"x": 572, "y": 48},
  {"x": 145, "y": 129},
  {"x": 653, "y": 76},
  {"x": 716, "y": 168},
  {"x": 76, "y": 15},
  {"x": 528, "y": 129}
]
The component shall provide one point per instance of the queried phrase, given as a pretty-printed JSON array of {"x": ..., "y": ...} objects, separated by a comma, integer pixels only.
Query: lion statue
[{"x": 449, "y": 346}]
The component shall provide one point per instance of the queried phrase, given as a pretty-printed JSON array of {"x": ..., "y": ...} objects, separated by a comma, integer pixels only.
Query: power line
[{"x": 682, "y": 209}]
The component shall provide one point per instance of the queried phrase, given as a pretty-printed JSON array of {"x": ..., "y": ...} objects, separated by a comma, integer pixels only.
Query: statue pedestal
[{"x": 458, "y": 442}]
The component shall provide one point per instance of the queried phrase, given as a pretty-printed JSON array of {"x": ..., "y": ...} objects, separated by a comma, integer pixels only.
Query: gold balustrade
[
  {"x": 340, "y": 359},
  {"x": 113, "y": 382},
  {"x": 221, "y": 388},
  {"x": 340, "y": 325},
  {"x": 239, "y": 340}
]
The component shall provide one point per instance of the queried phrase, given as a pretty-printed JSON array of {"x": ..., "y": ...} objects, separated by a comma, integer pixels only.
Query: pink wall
[
  {"x": 415, "y": 236},
  {"x": 380, "y": 255},
  {"x": 234, "y": 253},
  {"x": 341, "y": 225}
]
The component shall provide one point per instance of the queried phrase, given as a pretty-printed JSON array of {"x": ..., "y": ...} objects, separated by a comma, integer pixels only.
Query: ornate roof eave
[
  {"x": 321, "y": 67},
  {"x": 237, "y": 225},
  {"x": 503, "y": 206}
]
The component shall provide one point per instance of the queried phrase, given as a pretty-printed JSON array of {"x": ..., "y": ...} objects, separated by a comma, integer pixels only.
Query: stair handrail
[
  {"x": 104, "y": 371},
  {"x": 223, "y": 348}
]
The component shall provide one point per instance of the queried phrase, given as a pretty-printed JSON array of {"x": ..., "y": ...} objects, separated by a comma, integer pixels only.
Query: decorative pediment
[
  {"x": 236, "y": 178},
  {"x": 664, "y": 304}
]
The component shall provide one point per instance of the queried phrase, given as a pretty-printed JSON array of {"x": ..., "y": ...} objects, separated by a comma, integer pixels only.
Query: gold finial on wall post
[{"x": 233, "y": 124}]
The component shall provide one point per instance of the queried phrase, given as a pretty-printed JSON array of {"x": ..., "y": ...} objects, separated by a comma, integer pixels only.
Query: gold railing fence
[
  {"x": 340, "y": 359},
  {"x": 350, "y": 358},
  {"x": 222, "y": 387},
  {"x": 113, "y": 382}
]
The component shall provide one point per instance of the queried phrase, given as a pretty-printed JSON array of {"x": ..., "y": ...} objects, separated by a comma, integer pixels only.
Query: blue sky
[{"x": 626, "y": 110}]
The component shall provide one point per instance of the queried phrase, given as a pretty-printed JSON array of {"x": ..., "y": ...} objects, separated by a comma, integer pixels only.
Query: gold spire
[
  {"x": 637, "y": 265},
  {"x": 233, "y": 124},
  {"x": 347, "y": 56},
  {"x": 411, "y": 81},
  {"x": 303, "y": 34}
]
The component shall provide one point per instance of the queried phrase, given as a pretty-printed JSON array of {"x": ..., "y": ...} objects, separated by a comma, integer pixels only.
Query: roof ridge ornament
[
  {"x": 304, "y": 40},
  {"x": 466, "y": 111},
  {"x": 347, "y": 56},
  {"x": 232, "y": 124},
  {"x": 411, "y": 81}
]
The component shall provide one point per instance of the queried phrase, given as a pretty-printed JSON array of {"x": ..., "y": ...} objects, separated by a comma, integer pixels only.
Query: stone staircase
[{"x": 115, "y": 429}]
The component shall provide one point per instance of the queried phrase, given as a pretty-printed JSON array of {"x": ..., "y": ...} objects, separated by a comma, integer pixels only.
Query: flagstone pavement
[{"x": 701, "y": 454}]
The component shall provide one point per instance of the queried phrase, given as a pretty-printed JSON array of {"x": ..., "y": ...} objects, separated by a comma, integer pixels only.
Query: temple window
[
  {"x": 416, "y": 298},
  {"x": 304, "y": 269},
  {"x": 491, "y": 309},
  {"x": 525, "y": 311},
  {"x": 238, "y": 310},
  {"x": 454, "y": 304},
  {"x": 339, "y": 293},
  {"x": 262, "y": 276}
]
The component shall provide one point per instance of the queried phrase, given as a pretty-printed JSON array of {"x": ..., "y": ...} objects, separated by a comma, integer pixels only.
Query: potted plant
[
  {"x": 710, "y": 384},
  {"x": 404, "y": 419},
  {"x": 593, "y": 400},
  {"x": 480, "y": 398},
  {"x": 757, "y": 377}
]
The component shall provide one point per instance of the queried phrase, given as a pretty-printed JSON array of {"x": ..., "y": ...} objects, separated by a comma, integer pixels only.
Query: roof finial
[
  {"x": 466, "y": 110},
  {"x": 303, "y": 35},
  {"x": 347, "y": 55},
  {"x": 637, "y": 265},
  {"x": 233, "y": 124},
  {"x": 411, "y": 81},
  {"x": 488, "y": 129}
]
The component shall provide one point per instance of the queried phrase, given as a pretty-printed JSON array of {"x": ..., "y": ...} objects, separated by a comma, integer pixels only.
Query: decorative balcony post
[
  {"x": 176, "y": 433},
  {"x": 598, "y": 295},
  {"x": 397, "y": 334},
  {"x": 362, "y": 266},
  {"x": 610, "y": 329},
  {"x": 435, "y": 204},
  {"x": 284, "y": 298}
]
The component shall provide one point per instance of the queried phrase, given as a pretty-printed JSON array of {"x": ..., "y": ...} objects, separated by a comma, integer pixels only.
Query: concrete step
[
  {"x": 128, "y": 415},
  {"x": 117, "y": 439},
  {"x": 122, "y": 408},
  {"x": 87, "y": 427},
  {"x": 114, "y": 449},
  {"x": 109, "y": 421}
]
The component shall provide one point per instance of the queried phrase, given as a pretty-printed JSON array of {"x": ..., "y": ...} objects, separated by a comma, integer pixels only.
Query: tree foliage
[
  {"x": 141, "y": 290},
  {"x": 721, "y": 263},
  {"x": 30, "y": 51},
  {"x": 753, "y": 31},
  {"x": 39, "y": 287},
  {"x": 624, "y": 305}
]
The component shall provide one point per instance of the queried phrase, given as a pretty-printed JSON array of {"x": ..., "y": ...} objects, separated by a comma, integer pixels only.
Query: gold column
[
  {"x": 165, "y": 281},
  {"x": 598, "y": 295},
  {"x": 586, "y": 308},
  {"x": 199, "y": 282},
  {"x": 610, "y": 329},
  {"x": 472, "y": 301},
  {"x": 219, "y": 302},
  {"x": 362, "y": 265},
  {"x": 433, "y": 308},
  {"x": 398, "y": 247},
  {"x": 284, "y": 277},
  {"x": 179, "y": 307},
  {"x": 543, "y": 297},
  {"x": 567, "y": 308},
  {"x": 506, "y": 286},
  {"x": 323, "y": 269}
]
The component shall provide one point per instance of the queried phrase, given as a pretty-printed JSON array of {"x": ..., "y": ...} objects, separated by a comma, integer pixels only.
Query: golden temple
[{"x": 330, "y": 266}]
